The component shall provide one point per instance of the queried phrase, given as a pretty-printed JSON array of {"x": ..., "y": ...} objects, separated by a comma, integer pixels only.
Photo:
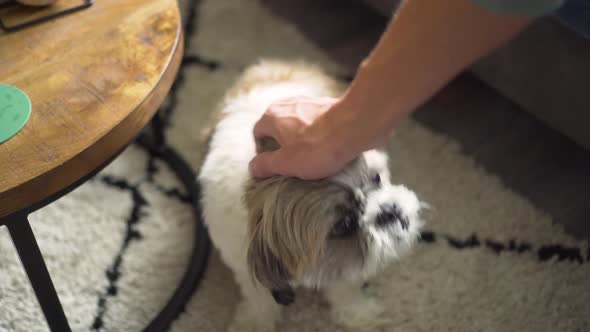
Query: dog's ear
[
  {"x": 266, "y": 269},
  {"x": 263, "y": 264},
  {"x": 262, "y": 258},
  {"x": 285, "y": 241}
]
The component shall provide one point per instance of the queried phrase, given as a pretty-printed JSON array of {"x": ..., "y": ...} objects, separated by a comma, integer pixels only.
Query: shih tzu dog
[{"x": 280, "y": 233}]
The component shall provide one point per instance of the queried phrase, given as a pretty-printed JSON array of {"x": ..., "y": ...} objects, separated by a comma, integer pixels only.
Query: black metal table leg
[
  {"x": 155, "y": 142},
  {"x": 32, "y": 260}
]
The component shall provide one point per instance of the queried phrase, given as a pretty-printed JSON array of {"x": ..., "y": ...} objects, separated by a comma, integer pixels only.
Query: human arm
[{"x": 425, "y": 45}]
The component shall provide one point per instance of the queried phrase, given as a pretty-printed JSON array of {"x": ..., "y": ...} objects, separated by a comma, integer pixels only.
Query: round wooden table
[{"x": 95, "y": 78}]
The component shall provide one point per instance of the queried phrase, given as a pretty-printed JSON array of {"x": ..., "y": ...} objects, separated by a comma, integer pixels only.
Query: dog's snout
[{"x": 391, "y": 214}]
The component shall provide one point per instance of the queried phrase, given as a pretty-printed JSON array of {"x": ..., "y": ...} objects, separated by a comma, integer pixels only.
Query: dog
[{"x": 280, "y": 233}]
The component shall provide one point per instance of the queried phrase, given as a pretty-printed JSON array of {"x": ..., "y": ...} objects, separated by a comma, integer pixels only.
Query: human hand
[{"x": 309, "y": 141}]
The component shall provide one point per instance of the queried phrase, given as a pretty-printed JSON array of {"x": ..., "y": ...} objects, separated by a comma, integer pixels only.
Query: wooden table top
[{"x": 94, "y": 78}]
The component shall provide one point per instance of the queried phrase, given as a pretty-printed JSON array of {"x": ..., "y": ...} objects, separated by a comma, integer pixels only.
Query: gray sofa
[{"x": 546, "y": 70}]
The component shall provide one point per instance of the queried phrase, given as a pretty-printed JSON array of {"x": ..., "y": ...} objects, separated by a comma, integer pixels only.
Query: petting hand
[{"x": 309, "y": 145}]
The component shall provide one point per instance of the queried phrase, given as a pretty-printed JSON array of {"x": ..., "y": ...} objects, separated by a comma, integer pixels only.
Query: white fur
[{"x": 223, "y": 177}]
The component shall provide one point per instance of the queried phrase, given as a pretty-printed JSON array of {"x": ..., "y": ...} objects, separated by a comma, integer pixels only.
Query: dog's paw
[{"x": 365, "y": 315}]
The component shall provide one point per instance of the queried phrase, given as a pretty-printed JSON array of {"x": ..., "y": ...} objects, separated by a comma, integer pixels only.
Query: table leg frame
[
  {"x": 32, "y": 260},
  {"x": 201, "y": 244}
]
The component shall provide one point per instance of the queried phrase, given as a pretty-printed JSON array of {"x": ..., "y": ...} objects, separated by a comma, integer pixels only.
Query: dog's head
[{"x": 313, "y": 232}]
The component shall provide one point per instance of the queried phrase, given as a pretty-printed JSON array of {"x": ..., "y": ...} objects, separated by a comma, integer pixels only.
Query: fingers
[
  {"x": 267, "y": 164},
  {"x": 265, "y": 127},
  {"x": 264, "y": 164}
]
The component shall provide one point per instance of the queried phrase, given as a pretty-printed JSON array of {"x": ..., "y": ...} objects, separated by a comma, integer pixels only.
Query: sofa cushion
[{"x": 545, "y": 70}]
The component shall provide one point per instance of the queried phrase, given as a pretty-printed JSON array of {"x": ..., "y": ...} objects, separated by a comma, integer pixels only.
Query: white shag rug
[{"x": 117, "y": 246}]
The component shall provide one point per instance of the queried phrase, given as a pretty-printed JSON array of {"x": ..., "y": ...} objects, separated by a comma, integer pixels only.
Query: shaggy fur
[{"x": 280, "y": 233}]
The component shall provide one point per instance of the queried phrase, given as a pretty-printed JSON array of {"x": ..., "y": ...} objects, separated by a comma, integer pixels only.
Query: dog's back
[
  {"x": 231, "y": 146},
  {"x": 308, "y": 243}
]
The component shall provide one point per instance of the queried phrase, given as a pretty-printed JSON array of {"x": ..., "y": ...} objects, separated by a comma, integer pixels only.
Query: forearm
[{"x": 426, "y": 44}]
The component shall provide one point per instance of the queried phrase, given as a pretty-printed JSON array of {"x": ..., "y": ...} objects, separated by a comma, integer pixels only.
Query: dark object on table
[{"x": 37, "y": 20}]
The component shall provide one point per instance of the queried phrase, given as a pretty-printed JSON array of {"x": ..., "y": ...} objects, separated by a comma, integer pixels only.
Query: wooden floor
[{"x": 548, "y": 169}]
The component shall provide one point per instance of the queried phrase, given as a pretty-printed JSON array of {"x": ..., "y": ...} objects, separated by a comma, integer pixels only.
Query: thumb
[{"x": 264, "y": 165}]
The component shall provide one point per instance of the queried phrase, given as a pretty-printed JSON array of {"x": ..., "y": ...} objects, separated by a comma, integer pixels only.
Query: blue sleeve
[{"x": 531, "y": 8}]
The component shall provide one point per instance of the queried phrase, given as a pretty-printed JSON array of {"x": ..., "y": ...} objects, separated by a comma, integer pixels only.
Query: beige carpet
[{"x": 117, "y": 246}]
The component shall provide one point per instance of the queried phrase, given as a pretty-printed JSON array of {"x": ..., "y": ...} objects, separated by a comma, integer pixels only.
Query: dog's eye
[
  {"x": 347, "y": 225},
  {"x": 376, "y": 179}
]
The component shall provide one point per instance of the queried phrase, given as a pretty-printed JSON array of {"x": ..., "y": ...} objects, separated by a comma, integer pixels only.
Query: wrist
[
  {"x": 349, "y": 131},
  {"x": 329, "y": 136},
  {"x": 371, "y": 108}
]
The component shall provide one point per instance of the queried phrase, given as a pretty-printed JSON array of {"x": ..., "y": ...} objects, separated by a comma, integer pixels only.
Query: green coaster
[{"x": 15, "y": 109}]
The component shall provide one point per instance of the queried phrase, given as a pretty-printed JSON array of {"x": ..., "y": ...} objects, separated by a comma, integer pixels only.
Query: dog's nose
[{"x": 391, "y": 214}]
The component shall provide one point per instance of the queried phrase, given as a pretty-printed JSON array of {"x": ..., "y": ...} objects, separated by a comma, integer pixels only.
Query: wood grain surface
[{"x": 94, "y": 78}]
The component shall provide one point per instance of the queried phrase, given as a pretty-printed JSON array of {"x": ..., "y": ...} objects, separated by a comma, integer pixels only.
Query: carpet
[{"x": 116, "y": 247}]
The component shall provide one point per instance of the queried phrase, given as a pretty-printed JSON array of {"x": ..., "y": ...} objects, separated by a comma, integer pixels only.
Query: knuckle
[{"x": 270, "y": 115}]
